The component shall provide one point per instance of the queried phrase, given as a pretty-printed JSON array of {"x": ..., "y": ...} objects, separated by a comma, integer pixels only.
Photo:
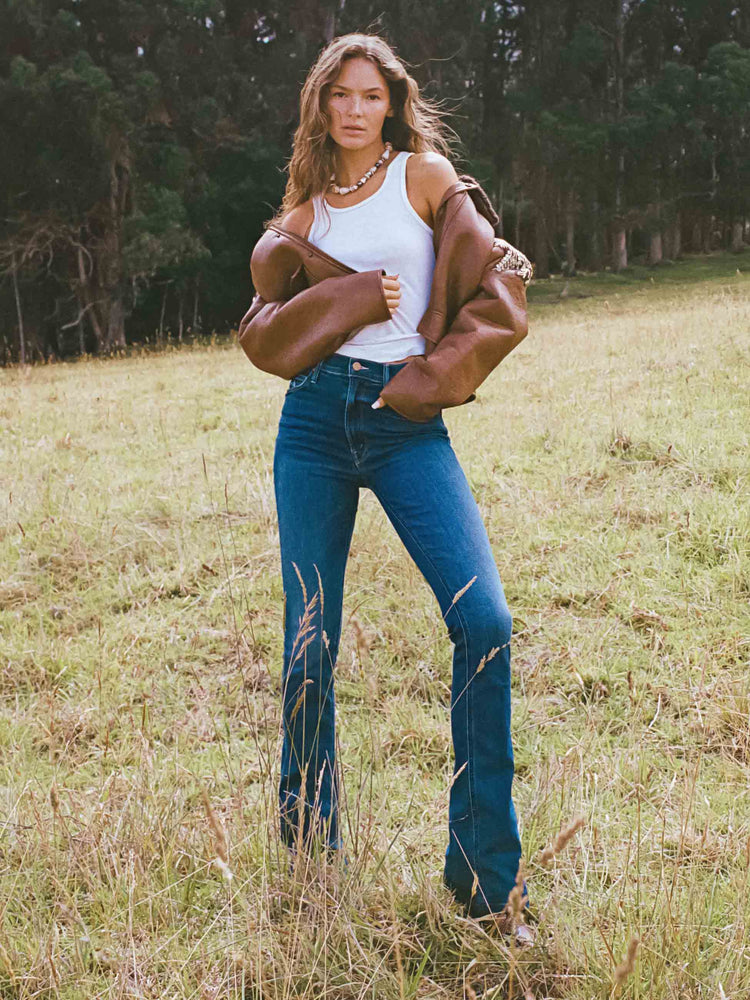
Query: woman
[{"x": 366, "y": 180}]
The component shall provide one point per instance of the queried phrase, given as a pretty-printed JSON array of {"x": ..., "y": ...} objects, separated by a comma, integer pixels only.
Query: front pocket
[
  {"x": 407, "y": 420},
  {"x": 299, "y": 380}
]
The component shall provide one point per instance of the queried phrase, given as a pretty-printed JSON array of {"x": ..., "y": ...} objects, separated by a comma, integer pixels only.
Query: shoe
[
  {"x": 476, "y": 905},
  {"x": 502, "y": 923}
]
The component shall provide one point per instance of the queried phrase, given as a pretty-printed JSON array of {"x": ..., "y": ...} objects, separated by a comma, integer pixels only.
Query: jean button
[{"x": 357, "y": 366}]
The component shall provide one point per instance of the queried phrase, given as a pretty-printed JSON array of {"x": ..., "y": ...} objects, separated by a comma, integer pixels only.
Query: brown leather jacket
[{"x": 307, "y": 303}]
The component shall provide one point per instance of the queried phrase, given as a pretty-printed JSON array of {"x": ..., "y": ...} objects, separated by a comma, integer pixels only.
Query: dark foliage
[{"x": 145, "y": 142}]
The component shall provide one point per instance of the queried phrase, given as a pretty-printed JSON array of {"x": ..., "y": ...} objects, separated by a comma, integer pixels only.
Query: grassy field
[{"x": 141, "y": 615}]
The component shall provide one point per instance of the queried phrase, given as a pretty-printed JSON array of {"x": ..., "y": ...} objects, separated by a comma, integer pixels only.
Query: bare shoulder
[
  {"x": 434, "y": 174},
  {"x": 299, "y": 219}
]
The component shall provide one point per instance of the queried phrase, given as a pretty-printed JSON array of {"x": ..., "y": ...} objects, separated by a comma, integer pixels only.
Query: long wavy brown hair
[{"x": 416, "y": 124}]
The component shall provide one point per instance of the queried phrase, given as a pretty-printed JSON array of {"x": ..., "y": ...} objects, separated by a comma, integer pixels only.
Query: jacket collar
[
  {"x": 305, "y": 244},
  {"x": 446, "y": 211}
]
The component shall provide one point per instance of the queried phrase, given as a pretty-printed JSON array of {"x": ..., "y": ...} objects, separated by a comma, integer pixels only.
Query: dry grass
[{"x": 141, "y": 611}]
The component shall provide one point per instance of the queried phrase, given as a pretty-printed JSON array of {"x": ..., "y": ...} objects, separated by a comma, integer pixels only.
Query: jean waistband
[{"x": 369, "y": 371}]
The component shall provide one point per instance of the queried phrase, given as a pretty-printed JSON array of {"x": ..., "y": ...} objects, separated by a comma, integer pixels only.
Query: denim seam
[
  {"x": 347, "y": 406},
  {"x": 469, "y": 699}
]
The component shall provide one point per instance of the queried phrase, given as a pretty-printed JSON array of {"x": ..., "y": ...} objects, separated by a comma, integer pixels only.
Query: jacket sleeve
[
  {"x": 286, "y": 335},
  {"x": 485, "y": 329}
]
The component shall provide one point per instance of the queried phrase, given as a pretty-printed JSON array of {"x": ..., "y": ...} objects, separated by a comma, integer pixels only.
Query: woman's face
[{"x": 358, "y": 97}]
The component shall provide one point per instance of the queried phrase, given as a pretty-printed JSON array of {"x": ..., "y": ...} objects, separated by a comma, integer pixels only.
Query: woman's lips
[{"x": 352, "y": 128}]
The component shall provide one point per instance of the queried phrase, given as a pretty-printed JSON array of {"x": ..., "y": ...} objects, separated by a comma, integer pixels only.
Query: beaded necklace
[{"x": 333, "y": 186}]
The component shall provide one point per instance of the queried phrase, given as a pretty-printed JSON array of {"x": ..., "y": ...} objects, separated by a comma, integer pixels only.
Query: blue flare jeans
[{"x": 330, "y": 444}]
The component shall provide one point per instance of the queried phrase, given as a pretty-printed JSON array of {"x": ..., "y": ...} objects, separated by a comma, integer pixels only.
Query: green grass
[
  {"x": 713, "y": 269},
  {"x": 141, "y": 613}
]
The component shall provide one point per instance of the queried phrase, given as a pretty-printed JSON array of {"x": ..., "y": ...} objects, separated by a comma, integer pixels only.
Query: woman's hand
[{"x": 392, "y": 289}]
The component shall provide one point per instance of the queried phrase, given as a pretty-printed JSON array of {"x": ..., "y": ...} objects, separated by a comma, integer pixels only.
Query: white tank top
[{"x": 384, "y": 231}]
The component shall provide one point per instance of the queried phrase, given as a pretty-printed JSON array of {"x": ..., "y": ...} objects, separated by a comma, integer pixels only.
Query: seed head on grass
[
  {"x": 6, "y": 962},
  {"x": 363, "y": 645},
  {"x": 486, "y": 658},
  {"x": 300, "y": 699},
  {"x": 561, "y": 841},
  {"x": 455, "y": 777},
  {"x": 221, "y": 842},
  {"x": 514, "y": 906},
  {"x": 462, "y": 591},
  {"x": 626, "y": 967},
  {"x": 474, "y": 886}
]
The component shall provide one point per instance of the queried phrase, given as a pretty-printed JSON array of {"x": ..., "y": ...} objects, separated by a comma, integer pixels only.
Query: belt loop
[{"x": 316, "y": 371}]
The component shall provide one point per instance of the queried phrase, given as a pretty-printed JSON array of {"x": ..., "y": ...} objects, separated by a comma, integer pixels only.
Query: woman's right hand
[{"x": 392, "y": 289}]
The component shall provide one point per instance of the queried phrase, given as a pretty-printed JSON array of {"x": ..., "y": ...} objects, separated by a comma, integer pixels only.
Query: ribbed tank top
[{"x": 384, "y": 231}]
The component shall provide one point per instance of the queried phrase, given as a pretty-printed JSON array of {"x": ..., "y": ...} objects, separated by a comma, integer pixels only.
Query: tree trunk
[
  {"x": 179, "y": 318},
  {"x": 88, "y": 302},
  {"x": 541, "y": 245},
  {"x": 674, "y": 239},
  {"x": 116, "y": 321},
  {"x": 161, "y": 315},
  {"x": 596, "y": 251},
  {"x": 737, "y": 233},
  {"x": 600, "y": 239},
  {"x": 19, "y": 313},
  {"x": 195, "y": 307},
  {"x": 329, "y": 24},
  {"x": 655, "y": 254},
  {"x": 619, "y": 240},
  {"x": 696, "y": 238},
  {"x": 619, "y": 248},
  {"x": 110, "y": 219},
  {"x": 541, "y": 241},
  {"x": 570, "y": 233}
]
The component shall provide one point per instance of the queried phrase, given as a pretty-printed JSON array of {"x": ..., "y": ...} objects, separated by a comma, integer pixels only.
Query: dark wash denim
[{"x": 330, "y": 444}]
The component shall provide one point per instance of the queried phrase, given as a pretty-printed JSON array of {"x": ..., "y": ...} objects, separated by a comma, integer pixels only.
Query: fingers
[{"x": 392, "y": 289}]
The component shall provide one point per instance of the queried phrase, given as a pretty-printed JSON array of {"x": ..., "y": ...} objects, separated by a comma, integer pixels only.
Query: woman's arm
[
  {"x": 437, "y": 174},
  {"x": 284, "y": 336},
  {"x": 299, "y": 219},
  {"x": 484, "y": 331},
  {"x": 428, "y": 177}
]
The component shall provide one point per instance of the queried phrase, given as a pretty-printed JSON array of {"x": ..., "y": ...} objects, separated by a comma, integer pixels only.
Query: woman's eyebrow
[{"x": 339, "y": 87}]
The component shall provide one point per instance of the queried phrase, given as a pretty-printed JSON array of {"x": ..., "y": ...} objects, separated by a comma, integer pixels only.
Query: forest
[{"x": 145, "y": 143}]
